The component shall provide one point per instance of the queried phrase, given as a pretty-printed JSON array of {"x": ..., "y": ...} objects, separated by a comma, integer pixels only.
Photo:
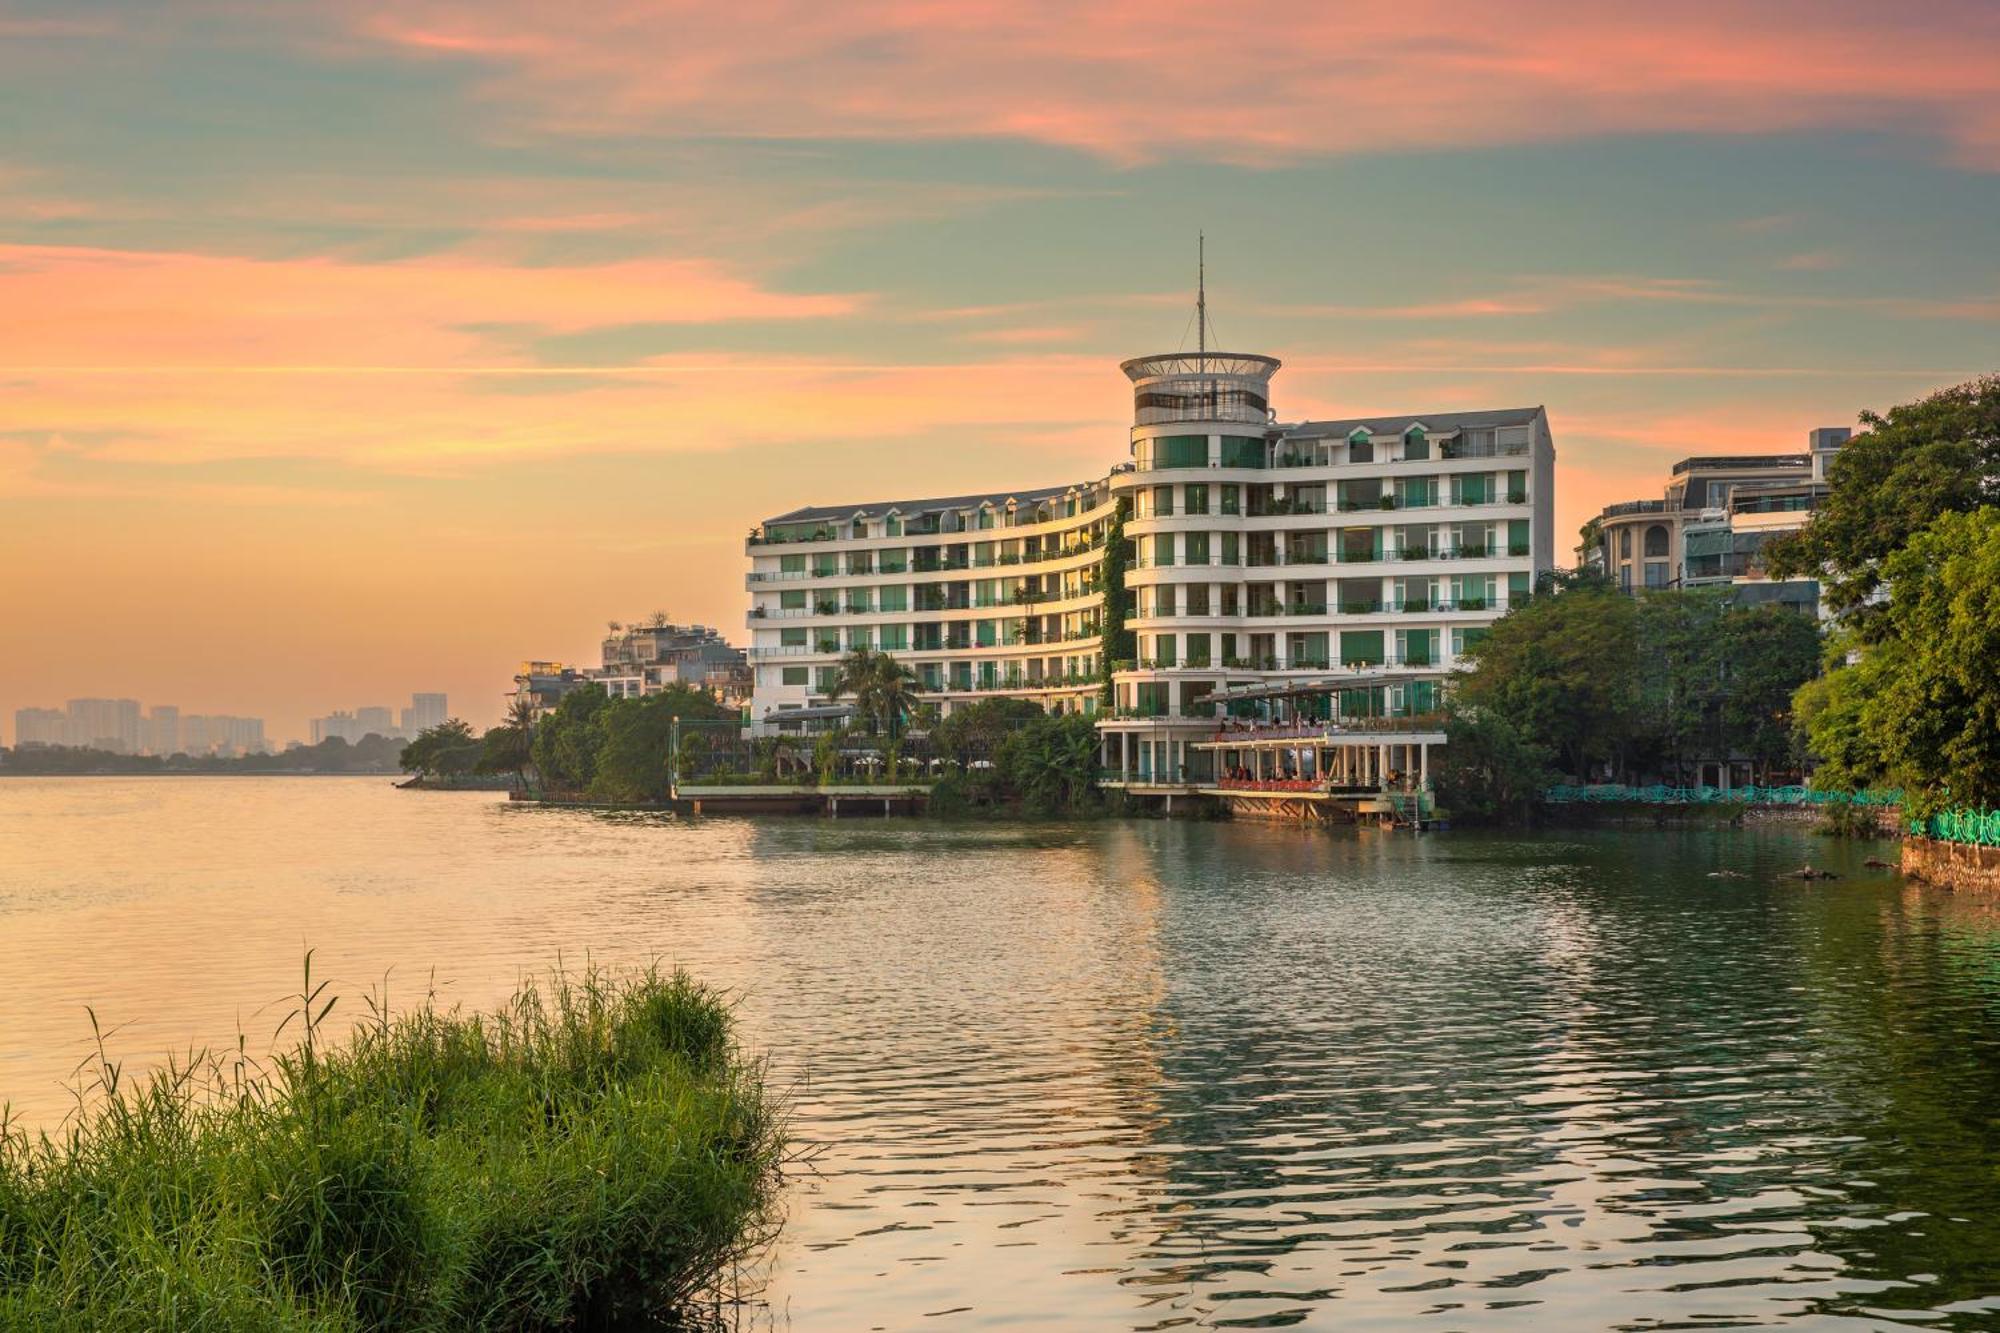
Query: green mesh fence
[
  {"x": 1978, "y": 827},
  {"x": 1660, "y": 794}
]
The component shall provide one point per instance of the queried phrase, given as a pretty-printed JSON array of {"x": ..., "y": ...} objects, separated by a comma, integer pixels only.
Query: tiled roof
[
  {"x": 1396, "y": 423},
  {"x": 998, "y": 499}
]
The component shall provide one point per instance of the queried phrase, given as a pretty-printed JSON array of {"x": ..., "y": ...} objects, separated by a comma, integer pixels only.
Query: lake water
[{"x": 1150, "y": 1075}]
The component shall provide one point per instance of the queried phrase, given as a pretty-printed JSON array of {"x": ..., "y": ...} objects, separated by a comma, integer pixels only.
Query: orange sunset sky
[{"x": 350, "y": 349}]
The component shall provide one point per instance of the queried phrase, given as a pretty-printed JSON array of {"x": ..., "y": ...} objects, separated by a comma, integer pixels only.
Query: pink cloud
[
  {"x": 143, "y": 309},
  {"x": 1131, "y": 81}
]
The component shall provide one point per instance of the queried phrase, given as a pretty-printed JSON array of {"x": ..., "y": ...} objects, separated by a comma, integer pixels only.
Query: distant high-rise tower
[
  {"x": 163, "y": 730},
  {"x": 425, "y": 711},
  {"x": 105, "y": 724}
]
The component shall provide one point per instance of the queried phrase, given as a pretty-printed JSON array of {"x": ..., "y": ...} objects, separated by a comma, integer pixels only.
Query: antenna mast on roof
[{"x": 1201, "y": 296}]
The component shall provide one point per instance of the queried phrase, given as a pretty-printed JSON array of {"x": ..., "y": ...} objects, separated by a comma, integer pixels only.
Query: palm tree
[
  {"x": 509, "y": 747},
  {"x": 884, "y": 690}
]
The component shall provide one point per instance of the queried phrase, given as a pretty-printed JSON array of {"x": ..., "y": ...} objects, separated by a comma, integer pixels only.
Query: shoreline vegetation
[
  {"x": 597, "y": 1154},
  {"x": 1894, "y": 705},
  {"x": 371, "y": 755}
]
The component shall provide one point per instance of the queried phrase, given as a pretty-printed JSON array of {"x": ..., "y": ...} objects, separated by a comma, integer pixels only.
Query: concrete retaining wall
[{"x": 1953, "y": 865}]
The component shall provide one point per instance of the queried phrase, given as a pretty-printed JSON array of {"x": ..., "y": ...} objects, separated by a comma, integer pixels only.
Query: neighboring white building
[
  {"x": 1710, "y": 528},
  {"x": 644, "y": 659},
  {"x": 1331, "y": 570}
]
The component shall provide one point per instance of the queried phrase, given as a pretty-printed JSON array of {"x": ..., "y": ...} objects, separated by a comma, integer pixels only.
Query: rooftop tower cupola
[{"x": 1203, "y": 391}]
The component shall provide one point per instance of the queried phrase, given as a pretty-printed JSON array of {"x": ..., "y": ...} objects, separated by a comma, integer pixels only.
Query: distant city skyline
[
  {"x": 125, "y": 725},
  {"x": 420, "y": 340}
]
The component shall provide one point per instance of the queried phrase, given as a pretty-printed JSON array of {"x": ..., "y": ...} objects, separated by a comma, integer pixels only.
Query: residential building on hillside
[
  {"x": 637, "y": 660},
  {"x": 643, "y": 659},
  {"x": 1710, "y": 527},
  {"x": 1331, "y": 570}
]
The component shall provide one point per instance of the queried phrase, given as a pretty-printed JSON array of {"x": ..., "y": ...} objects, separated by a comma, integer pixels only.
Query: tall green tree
[
  {"x": 1769, "y": 653},
  {"x": 1937, "y": 456},
  {"x": 448, "y": 749},
  {"x": 509, "y": 747},
  {"x": 1050, "y": 765},
  {"x": 1119, "y": 643},
  {"x": 568, "y": 739},
  {"x": 1563, "y": 669},
  {"x": 633, "y": 763},
  {"x": 883, "y": 689},
  {"x": 1922, "y": 710},
  {"x": 1490, "y": 770},
  {"x": 976, "y": 731}
]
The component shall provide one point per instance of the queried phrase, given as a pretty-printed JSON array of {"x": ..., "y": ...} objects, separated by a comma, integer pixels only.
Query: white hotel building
[{"x": 1328, "y": 572}]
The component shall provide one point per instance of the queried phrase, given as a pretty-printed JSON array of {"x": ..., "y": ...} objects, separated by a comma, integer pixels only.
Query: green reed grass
[{"x": 596, "y": 1155}]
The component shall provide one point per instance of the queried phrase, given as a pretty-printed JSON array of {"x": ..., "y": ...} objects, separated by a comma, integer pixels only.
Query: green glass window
[
  {"x": 1469, "y": 488},
  {"x": 1415, "y": 493},
  {"x": 1163, "y": 649},
  {"x": 796, "y": 675},
  {"x": 1360, "y": 647},
  {"x": 895, "y": 638},
  {"x": 792, "y": 564},
  {"x": 824, "y": 678},
  {"x": 1518, "y": 586},
  {"x": 792, "y": 638},
  {"x": 1196, "y": 501},
  {"x": 1180, "y": 451},
  {"x": 1231, "y": 554},
  {"x": 987, "y": 633},
  {"x": 792, "y": 599},
  {"x": 1416, "y": 445},
  {"x": 1243, "y": 451},
  {"x": 1517, "y": 536},
  {"x": 1163, "y": 548},
  {"x": 893, "y": 597},
  {"x": 1197, "y": 650},
  {"x": 1197, "y": 548}
]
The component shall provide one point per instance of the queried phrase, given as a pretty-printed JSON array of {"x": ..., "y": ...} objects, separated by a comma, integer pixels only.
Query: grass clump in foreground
[{"x": 598, "y": 1155}]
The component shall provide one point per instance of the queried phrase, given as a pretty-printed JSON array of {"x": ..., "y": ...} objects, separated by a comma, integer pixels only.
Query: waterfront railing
[{"x": 1663, "y": 794}]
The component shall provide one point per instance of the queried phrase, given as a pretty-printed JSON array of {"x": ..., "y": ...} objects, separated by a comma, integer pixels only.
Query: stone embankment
[{"x": 1961, "y": 866}]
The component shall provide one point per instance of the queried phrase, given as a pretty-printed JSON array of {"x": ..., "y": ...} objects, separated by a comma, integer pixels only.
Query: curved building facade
[{"x": 981, "y": 595}]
